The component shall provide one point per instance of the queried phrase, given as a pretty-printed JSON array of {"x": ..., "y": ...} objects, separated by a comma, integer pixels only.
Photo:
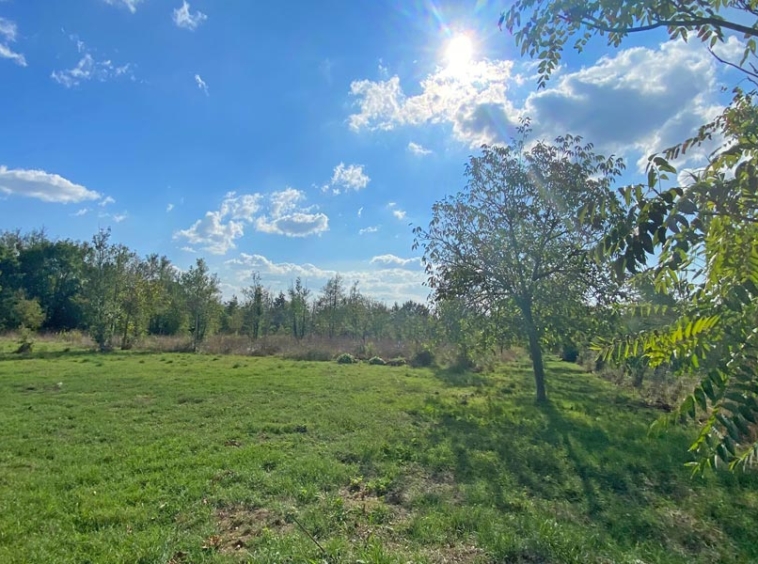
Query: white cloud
[
  {"x": 169, "y": 207},
  {"x": 130, "y": 5},
  {"x": 457, "y": 98},
  {"x": 201, "y": 84},
  {"x": 418, "y": 150},
  {"x": 8, "y": 32},
  {"x": 106, "y": 201},
  {"x": 350, "y": 177},
  {"x": 393, "y": 259},
  {"x": 400, "y": 214},
  {"x": 360, "y": 211},
  {"x": 187, "y": 20},
  {"x": 370, "y": 229},
  {"x": 188, "y": 250},
  {"x": 81, "y": 212},
  {"x": 389, "y": 284},
  {"x": 88, "y": 68},
  {"x": 119, "y": 217},
  {"x": 636, "y": 101},
  {"x": 217, "y": 232},
  {"x": 43, "y": 186}
]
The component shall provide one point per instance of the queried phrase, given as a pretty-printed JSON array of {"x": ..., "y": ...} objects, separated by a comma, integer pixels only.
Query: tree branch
[{"x": 594, "y": 23}]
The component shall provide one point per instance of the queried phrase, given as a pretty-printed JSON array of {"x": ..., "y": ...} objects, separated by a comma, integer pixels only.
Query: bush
[
  {"x": 422, "y": 359},
  {"x": 346, "y": 358},
  {"x": 569, "y": 352},
  {"x": 376, "y": 360},
  {"x": 399, "y": 361}
]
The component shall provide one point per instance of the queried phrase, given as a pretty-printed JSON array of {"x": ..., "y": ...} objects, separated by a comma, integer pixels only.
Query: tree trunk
[{"x": 535, "y": 351}]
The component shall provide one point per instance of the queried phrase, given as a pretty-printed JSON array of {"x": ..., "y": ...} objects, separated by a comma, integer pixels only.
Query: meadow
[{"x": 180, "y": 458}]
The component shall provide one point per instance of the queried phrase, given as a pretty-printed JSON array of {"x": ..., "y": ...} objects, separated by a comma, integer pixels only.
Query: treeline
[{"x": 117, "y": 297}]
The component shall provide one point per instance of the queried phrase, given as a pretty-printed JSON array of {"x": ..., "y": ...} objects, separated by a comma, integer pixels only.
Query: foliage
[
  {"x": 510, "y": 245},
  {"x": 346, "y": 358},
  {"x": 422, "y": 358},
  {"x": 703, "y": 234},
  {"x": 375, "y": 360},
  {"x": 150, "y": 457}
]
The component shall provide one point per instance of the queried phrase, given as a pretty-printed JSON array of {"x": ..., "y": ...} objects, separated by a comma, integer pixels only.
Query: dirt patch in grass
[{"x": 238, "y": 526}]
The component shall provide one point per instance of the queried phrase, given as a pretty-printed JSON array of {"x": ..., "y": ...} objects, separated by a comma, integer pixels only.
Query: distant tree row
[{"x": 117, "y": 297}]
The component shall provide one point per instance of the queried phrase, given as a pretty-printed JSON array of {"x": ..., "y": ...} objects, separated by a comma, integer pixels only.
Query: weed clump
[{"x": 346, "y": 358}]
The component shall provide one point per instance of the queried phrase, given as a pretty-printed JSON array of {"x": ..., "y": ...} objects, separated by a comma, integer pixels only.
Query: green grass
[{"x": 180, "y": 458}]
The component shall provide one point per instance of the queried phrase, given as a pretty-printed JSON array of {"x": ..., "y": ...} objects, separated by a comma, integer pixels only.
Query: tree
[
  {"x": 330, "y": 305},
  {"x": 101, "y": 290},
  {"x": 201, "y": 291},
  {"x": 298, "y": 308},
  {"x": 542, "y": 27},
  {"x": 512, "y": 234},
  {"x": 705, "y": 232}
]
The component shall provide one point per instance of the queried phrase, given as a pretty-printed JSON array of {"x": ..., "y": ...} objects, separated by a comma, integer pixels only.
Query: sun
[{"x": 458, "y": 53}]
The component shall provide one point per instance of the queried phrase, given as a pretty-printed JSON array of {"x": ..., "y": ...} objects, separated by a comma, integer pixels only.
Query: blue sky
[{"x": 295, "y": 139}]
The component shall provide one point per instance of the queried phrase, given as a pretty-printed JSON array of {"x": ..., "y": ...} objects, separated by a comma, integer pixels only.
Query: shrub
[
  {"x": 399, "y": 361},
  {"x": 308, "y": 355},
  {"x": 422, "y": 359},
  {"x": 346, "y": 358},
  {"x": 377, "y": 360}
]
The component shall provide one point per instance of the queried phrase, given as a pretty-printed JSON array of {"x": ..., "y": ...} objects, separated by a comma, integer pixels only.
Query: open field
[{"x": 159, "y": 458}]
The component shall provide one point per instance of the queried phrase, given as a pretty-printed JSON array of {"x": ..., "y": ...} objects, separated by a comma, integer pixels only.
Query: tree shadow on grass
[{"x": 586, "y": 448}]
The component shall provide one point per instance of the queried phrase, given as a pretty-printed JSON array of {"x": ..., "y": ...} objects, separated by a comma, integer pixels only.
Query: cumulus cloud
[
  {"x": 43, "y": 186},
  {"x": 218, "y": 230},
  {"x": 393, "y": 259},
  {"x": 389, "y": 284},
  {"x": 8, "y": 33},
  {"x": 286, "y": 218},
  {"x": 347, "y": 177},
  {"x": 185, "y": 19},
  {"x": 201, "y": 84},
  {"x": 130, "y": 5},
  {"x": 634, "y": 102},
  {"x": 418, "y": 150},
  {"x": 282, "y": 214},
  {"x": 445, "y": 97},
  {"x": 638, "y": 100}
]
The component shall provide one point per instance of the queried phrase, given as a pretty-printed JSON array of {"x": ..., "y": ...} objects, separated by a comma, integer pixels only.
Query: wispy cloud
[
  {"x": 187, "y": 20},
  {"x": 371, "y": 229},
  {"x": 393, "y": 259},
  {"x": 418, "y": 150},
  {"x": 201, "y": 84},
  {"x": 169, "y": 207},
  {"x": 88, "y": 68},
  {"x": 397, "y": 212},
  {"x": 43, "y": 186},
  {"x": 130, "y": 5},
  {"x": 8, "y": 33},
  {"x": 106, "y": 201}
]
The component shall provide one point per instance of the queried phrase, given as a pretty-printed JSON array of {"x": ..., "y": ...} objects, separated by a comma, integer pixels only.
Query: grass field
[{"x": 178, "y": 458}]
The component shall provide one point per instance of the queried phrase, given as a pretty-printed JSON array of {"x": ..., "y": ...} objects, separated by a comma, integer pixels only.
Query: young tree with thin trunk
[{"x": 512, "y": 236}]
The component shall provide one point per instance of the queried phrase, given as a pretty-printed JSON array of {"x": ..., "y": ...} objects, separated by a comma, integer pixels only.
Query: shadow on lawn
[{"x": 589, "y": 446}]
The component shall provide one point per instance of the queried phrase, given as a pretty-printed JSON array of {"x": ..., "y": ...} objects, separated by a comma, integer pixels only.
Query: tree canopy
[{"x": 511, "y": 238}]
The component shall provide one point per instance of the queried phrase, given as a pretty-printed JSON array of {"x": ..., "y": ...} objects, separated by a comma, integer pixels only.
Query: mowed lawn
[{"x": 190, "y": 458}]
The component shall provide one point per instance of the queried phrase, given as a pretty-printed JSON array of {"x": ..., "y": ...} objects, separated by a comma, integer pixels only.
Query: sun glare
[{"x": 459, "y": 52}]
